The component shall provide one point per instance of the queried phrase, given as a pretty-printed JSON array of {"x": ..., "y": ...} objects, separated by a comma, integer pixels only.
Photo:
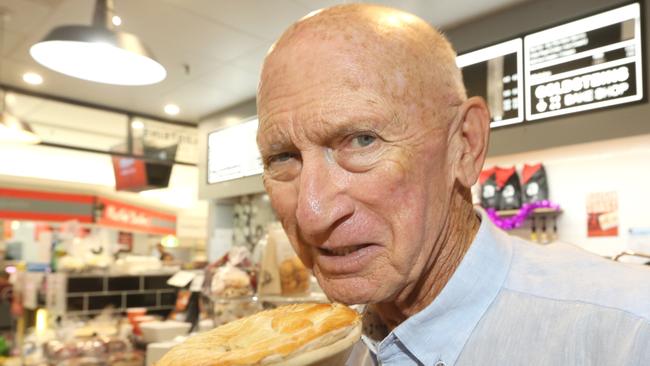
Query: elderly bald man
[{"x": 370, "y": 148}]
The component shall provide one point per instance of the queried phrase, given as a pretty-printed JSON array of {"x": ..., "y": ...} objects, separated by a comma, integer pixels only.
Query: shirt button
[{"x": 440, "y": 363}]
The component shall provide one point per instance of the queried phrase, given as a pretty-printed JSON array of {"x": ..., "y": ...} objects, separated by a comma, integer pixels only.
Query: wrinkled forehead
[
  {"x": 327, "y": 68},
  {"x": 343, "y": 61},
  {"x": 346, "y": 54}
]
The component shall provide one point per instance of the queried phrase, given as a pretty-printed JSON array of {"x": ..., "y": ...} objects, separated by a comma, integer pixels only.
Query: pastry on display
[
  {"x": 231, "y": 276},
  {"x": 230, "y": 287},
  {"x": 294, "y": 277},
  {"x": 291, "y": 335},
  {"x": 230, "y": 281}
]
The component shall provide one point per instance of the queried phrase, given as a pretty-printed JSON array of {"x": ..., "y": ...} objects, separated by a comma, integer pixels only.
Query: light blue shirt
[{"x": 512, "y": 302}]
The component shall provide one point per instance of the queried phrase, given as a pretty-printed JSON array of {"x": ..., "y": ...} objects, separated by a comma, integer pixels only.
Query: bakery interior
[{"x": 132, "y": 210}]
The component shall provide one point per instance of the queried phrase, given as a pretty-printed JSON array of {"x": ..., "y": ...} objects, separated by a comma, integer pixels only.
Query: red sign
[
  {"x": 130, "y": 174},
  {"x": 20, "y": 204},
  {"x": 602, "y": 214},
  {"x": 123, "y": 216}
]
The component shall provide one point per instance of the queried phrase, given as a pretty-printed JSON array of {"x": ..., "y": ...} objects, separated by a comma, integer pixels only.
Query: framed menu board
[
  {"x": 586, "y": 64},
  {"x": 233, "y": 153},
  {"x": 495, "y": 73}
]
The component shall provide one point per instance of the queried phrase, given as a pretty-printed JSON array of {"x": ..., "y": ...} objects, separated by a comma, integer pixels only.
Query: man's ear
[{"x": 471, "y": 135}]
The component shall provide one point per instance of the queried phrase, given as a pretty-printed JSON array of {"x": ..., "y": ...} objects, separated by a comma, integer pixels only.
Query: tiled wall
[{"x": 90, "y": 294}]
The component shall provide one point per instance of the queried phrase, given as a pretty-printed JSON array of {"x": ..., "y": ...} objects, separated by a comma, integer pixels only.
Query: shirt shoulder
[
  {"x": 565, "y": 272},
  {"x": 526, "y": 329}
]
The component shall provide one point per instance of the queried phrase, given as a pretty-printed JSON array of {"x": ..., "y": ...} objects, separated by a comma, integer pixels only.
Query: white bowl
[{"x": 158, "y": 331}]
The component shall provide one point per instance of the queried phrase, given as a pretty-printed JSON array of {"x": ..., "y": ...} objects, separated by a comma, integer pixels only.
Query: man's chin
[{"x": 349, "y": 291}]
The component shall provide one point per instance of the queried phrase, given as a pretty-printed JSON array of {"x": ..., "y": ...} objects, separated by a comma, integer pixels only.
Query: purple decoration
[{"x": 509, "y": 223}]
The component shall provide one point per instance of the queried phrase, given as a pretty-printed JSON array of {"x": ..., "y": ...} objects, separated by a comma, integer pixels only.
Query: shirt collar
[{"x": 439, "y": 331}]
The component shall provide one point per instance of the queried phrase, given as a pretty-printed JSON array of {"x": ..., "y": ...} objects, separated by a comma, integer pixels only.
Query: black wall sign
[
  {"x": 590, "y": 63},
  {"x": 494, "y": 73}
]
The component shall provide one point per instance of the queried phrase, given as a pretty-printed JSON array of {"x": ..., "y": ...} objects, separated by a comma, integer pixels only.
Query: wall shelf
[{"x": 536, "y": 212}]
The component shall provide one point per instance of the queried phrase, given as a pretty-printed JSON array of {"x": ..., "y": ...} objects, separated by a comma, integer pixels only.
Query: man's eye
[
  {"x": 280, "y": 158},
  {"x": 363, "y": 140}
]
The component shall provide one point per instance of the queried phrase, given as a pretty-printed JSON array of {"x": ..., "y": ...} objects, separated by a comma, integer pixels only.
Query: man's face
[{"x": 356, "y": 167}]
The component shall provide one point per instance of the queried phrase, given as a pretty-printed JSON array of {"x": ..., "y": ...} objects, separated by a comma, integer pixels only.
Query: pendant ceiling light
[
  {"x": 12, "y": 129},
  {"x": 98, "y": 52}
]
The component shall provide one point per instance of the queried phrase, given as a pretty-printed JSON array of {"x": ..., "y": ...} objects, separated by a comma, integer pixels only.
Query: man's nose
[{"x": 322, "y": 202}]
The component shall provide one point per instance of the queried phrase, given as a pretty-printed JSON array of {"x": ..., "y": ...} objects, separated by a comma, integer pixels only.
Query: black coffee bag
[
  {"x": 535, "y": 183},
  {"x": 489, "y": 191},
  {"x": 509, "y": 188}
]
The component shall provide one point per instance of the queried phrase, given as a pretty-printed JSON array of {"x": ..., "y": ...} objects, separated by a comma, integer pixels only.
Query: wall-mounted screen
[
  {"x": 233, "y": 153},
  {"x": 495, "y": 73},
  {"x": 590, "y": 63}
]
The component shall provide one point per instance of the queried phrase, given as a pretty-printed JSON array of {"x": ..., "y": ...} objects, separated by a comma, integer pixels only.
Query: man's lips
[
  {"x": 341, "y": 251},
  {"x": 345, "y": 260}
]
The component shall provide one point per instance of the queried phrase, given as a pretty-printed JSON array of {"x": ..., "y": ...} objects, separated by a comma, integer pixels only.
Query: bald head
[{"x": 396, "y": 51}]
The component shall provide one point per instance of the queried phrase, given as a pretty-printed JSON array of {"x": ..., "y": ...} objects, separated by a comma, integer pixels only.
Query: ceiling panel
[
  {"x": 205, "y": 97},
  {"x": 203, "y": 93},
  {"x": 10, "y": 41},
  {"x": 259, "y": 18},
  {"x": 195, "y": 96},
  {"x": 164, "y": 25},
  {"x": 441, "y": 13},
  {"x": 320, "y": 4},
  {"x": 252, "y": 61},
  {"x": 25, "y": 15},
  {"x": 222, "y": 41},
  {"x": 229, "y": 78}
]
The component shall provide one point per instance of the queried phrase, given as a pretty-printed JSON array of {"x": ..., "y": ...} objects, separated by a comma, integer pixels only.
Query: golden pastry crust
[{"x": 270, "y": 337}]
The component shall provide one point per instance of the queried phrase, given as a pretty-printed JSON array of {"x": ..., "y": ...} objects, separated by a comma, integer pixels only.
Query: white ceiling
[{"x": 222, "y": 41}]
